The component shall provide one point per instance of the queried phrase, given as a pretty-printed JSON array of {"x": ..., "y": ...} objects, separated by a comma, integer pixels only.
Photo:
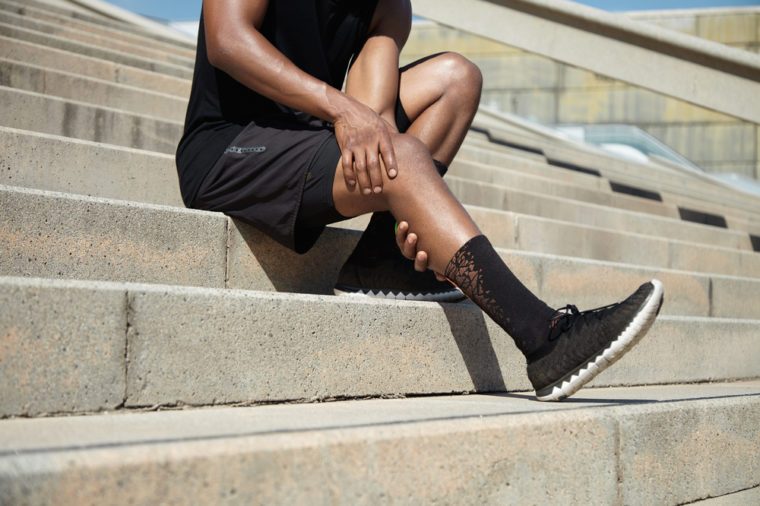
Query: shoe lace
[{"x": 567, "y": 317}]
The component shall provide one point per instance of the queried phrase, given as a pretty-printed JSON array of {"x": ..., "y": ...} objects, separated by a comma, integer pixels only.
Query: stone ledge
[
  {"x": 201, "y": 347},
  {"x": 475, "y": 449}
]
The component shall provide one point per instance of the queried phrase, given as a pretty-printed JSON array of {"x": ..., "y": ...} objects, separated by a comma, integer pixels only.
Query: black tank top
[{"x": 321, "y": 37}]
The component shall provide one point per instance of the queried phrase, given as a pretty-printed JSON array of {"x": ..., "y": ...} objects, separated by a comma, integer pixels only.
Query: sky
[{"x": 188, "y": 10}]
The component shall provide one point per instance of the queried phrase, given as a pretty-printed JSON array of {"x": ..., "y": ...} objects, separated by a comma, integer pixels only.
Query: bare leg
[
  {"x": 440, "y": 95},
  {"x": 418, "y": 196}
]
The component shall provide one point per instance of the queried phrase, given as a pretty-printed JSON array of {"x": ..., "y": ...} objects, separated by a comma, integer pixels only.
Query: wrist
[{"x": 336, "y": 104}]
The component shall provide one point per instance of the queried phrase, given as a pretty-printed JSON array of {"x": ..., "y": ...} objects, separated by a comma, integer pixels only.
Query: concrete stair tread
[
  {"x": 640, "y": 175},
  {"x": 8, "y": 16},
  {"x": 83, "y": 346},
  {"x": 82, "y": 103},
  {"x": 102, "y": 19},
  {"x": 97, "y": 68},
  {"x": 504, "y": 447},
  {"x": 500, "y": 199},
  {"x": 739, "y": 213},
  {"x": 156, "y": 354},
  {"x": 98, "y": 28},
  {"x": 585, "y": 157},
  {"x": 83, "y": 48},
  {"x": 88, "y": 431},
  {"x": 179, "y": 246},
  {"x": 530, "y": 233},
  {"x": 496, "y": 161},
  {"x": 61, "y": 164},
  {"x": 45, "y": 114},
  {"x": 548, "y": 186},
  {"x": 96, "y": 92}
]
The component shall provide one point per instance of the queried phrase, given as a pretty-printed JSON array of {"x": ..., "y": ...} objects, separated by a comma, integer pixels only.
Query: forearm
[
  {"x": 374, "y": 77},
  {"x": 373, "y": 80},
  {"x": 240, "y": 50}
]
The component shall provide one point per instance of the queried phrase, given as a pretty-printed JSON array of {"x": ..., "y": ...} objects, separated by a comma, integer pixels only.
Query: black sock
[
  {"x": 484, "y": 277},
  {"x": 379, "y": 238}
]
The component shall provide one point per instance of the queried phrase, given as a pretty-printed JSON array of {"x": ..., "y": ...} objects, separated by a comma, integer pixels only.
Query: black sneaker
[
  {"x": 583, "y": 344},
  {"x": 393, "y": 277}
]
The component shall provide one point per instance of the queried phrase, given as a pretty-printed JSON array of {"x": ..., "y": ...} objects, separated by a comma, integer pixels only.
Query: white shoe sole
[
  {"x": 451, "y": 296},
  {"x": 636, "y": 329}
]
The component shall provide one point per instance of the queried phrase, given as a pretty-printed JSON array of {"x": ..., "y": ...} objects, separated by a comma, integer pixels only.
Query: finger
[
  {"x": 347, "y": 159},
  {"x": 389, "y": 156},
  {"x": 421, "y": 261},
  {"x": 373, "y": 169},
  {"x": 440, "y": 277},
  {"x": 410, "y": 246},
  {"x": 360, "y": 165},
  {"x": 401, "y": 231}
]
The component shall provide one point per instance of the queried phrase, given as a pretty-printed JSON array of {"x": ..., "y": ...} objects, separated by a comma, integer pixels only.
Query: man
[{"x": 271, "y": 139}]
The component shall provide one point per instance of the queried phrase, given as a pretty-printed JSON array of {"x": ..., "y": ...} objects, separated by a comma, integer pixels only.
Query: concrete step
[
  {"x": 471, "y": 152},
  {"x": 49, "y": 162},
  {"x": 648, "y": 176},
  {"x": 56, "y": 235},
  {"x": 45, "y": 114},
  {"x": 548, "y": 186},
  {"x": 15, "y": 16},
  {"x": 76, "y": 346},
  {"x": 96, "y": 28},
  {"x": 602, "y": 449},
  {"x": 59, "y": 164},
  {"x": 658, "y": 178},
  {"x": 703, "y": 200},
  {"x": 102, "y": 20},
  {"x": 542, "y": 235},
  {"x": 96, "y": 68},
  {"x": 678, "y": 183},
  {"x": 491, "y": 173},
  {"x": 572, "y": 211},
  {"x": 24, "y": 76},
  {"x": 95, "y": 51}
]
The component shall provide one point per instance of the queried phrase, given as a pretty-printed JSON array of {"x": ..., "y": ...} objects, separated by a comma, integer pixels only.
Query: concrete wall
[
  {"x": 734, "y": 27},
  {"x": 552, "y": 93}
]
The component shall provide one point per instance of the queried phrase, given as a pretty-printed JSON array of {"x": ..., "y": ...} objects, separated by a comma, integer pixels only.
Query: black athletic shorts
[{"x": 277, "y": 175}]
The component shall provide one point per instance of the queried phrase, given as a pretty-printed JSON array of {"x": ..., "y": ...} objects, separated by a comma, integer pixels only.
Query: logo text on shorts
[{"x": 242, "y": 150}]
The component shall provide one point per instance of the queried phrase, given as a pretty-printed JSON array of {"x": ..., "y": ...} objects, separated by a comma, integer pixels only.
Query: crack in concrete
[
  {"x": 182, "y": 406},
  {"x": 695, "y": 501},
  {"x": 618, "y": 463},
  {"x": 228, "y": 226},
  {"x": 127, "y": 338}
]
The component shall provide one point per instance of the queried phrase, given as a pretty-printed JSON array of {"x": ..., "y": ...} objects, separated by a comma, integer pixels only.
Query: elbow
[{"x": 217, "y": 51}]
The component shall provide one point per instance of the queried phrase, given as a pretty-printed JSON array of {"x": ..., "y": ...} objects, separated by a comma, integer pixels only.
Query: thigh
[
  {"x": 421, "y": 85},
  {"x": 260, "y": 178}
]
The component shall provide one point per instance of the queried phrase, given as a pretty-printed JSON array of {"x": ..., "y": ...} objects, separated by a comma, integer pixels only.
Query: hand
[
  {"x": 365, "y": 144},
  {"x": 407, "y": 243}
]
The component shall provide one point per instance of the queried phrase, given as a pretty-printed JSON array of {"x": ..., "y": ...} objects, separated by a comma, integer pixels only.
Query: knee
[
  {"x": 409, "y": 150},
  {"x": 461, "y": 75},
  {"x": 414, "y": 160}
]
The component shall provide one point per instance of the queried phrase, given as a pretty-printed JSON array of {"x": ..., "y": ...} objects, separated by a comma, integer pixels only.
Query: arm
[
  {"x": 235, "y": 46},
  {"x": 374, "y": 77},
  {"x": 374, "y": 80}
]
